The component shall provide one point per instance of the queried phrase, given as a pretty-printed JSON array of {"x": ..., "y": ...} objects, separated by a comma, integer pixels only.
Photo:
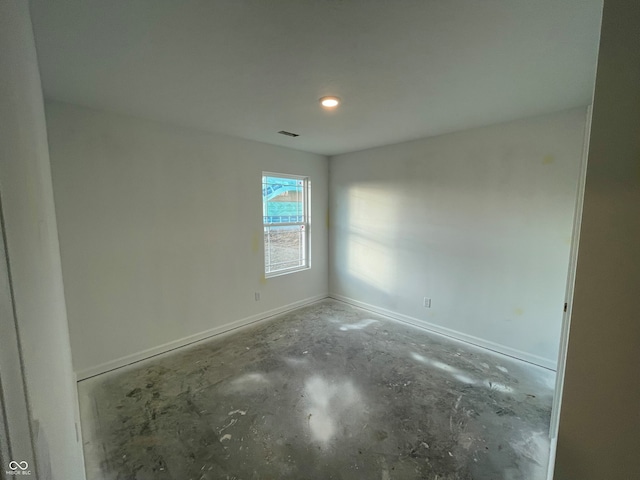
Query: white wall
[
  {"x": 161, "y": 233},
  {"x": 480, "y": 221},
  {"x": 33, "y": 253},
  {"x": 600, "y": 416}
]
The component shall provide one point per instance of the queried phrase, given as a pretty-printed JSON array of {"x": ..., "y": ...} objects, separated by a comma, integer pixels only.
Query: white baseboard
[
  {"x": 454, "y": 334},
  {"x": 447, "y": 332},
  {"x": 152, "y": 352}
]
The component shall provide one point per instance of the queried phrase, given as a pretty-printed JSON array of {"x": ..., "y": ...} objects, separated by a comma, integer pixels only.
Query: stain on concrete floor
[{"x": 328, "y": 391}]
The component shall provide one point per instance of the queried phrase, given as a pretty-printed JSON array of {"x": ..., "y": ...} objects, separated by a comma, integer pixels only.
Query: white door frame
[
  {"x": 566, "y": 319},
  {"x": 16, "y": 436}
]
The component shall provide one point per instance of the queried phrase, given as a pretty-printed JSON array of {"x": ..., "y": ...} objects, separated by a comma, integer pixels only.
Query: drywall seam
[
  {"x": 182, "y": 342},
  {"x": 454, "y": 334}
]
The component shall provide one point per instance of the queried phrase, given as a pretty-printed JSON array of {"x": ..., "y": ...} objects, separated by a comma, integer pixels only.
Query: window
[{"x": 285, "y": 215}]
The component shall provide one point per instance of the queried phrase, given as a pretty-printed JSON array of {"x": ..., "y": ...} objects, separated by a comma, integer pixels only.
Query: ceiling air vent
[{"x": 288, "y": 134}]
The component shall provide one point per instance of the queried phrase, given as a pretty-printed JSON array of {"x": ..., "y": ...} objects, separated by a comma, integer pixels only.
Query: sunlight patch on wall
[
  {"x": 370, "y": 262},
  {"x": 372, "y": 217}
]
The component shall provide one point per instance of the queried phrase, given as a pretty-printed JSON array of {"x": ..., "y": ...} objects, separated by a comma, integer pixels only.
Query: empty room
[{"x": 316, "y": 239}]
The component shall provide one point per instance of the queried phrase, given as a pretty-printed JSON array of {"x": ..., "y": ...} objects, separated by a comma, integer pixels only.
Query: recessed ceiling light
[{"x": 330, "y": 102}]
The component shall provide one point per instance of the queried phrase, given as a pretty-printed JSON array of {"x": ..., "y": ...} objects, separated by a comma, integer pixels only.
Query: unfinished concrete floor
[{"x": 324, "y": 392}]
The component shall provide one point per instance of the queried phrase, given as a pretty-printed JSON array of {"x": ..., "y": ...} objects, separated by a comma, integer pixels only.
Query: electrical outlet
[
  {"x": 426, "y": 302},
  {"x": 257, "y": 296}
]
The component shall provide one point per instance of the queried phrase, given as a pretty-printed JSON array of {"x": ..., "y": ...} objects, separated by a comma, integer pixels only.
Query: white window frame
[{"x": 306, "y": 223}]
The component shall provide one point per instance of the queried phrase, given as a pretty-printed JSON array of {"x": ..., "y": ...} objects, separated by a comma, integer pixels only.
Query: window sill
[{"x": 280, "y": 273}]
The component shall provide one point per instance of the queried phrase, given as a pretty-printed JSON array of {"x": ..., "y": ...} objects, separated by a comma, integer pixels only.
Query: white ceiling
[{"x": 405, "y": 69}]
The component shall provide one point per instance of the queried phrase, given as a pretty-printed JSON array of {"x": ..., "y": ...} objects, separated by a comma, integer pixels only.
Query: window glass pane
[
  {"x": 284, "y": 247},
  {"x": 283, "y": 200}
]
